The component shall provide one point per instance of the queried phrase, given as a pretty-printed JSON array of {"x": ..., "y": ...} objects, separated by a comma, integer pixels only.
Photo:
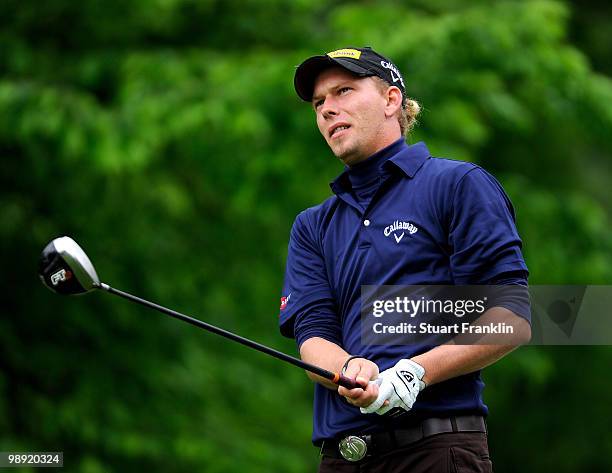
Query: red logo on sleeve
[{"x": 284, "y": 302}]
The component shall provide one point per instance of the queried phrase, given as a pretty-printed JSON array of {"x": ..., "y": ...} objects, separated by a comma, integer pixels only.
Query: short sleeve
[
  {"x": 307, "y": 303},
  {"x": 483, "y": 238}
]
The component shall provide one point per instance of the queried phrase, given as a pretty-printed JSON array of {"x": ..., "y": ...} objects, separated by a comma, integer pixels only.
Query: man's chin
[
  {"x": 343, "y": 153},
  {"x": 348, "y": 156}
]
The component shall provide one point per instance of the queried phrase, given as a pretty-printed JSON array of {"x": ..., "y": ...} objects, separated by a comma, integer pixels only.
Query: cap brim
[{"x": 309, "y": 70}]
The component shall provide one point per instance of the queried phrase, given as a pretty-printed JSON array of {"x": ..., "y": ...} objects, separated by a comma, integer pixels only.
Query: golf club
[{"x": 65, "y": 268}]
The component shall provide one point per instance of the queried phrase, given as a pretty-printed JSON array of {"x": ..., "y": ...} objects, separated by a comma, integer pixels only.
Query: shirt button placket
[{"x": 364, "y": 240}]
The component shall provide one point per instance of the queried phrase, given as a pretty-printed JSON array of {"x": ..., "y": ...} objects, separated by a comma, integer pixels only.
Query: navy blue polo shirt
[{"x": 457, "y": 226}]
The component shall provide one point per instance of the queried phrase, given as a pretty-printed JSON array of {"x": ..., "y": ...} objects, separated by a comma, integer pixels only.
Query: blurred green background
[{"x": 165, "y": 137}]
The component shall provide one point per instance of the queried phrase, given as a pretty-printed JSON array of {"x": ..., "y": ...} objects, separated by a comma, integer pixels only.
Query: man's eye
[
  {"x": 343, "y": 90},
  {"x": 318, "y": 103}
]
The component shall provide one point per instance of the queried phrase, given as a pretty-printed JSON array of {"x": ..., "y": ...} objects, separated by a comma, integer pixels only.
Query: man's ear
[{"x": 394, "y": 100}]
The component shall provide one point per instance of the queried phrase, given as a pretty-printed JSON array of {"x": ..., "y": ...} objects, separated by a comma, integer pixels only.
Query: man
[{"x": 460, "y": 230}]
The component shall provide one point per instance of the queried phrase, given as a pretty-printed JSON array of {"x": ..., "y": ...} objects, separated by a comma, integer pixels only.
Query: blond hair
[{"x": 407, "y": 116}]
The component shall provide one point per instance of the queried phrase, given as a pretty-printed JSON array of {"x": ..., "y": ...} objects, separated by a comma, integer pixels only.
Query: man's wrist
[{"x": 426, "y": 378}]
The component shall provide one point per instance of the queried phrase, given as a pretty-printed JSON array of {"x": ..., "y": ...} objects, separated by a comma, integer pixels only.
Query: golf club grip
[{"x": 348, "y": 383}]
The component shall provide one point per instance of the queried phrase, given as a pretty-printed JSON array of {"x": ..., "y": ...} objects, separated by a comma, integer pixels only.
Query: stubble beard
[{"x": 348, "y": 152}]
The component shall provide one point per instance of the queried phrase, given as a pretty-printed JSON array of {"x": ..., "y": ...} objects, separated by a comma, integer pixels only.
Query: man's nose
[{"x": 329, "y": 108}]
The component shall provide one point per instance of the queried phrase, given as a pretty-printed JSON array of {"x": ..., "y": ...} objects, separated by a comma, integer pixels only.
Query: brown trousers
[{"x": 453, "y": 452}]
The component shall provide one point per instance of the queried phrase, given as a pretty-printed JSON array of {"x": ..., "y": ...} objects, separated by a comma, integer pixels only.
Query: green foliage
[{"x": 166, "y": 138}]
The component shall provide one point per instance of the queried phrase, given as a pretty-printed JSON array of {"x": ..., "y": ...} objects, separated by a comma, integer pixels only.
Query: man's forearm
[
  {"x": 450, "y": 360},
  {"x": 323, "y": 353}
]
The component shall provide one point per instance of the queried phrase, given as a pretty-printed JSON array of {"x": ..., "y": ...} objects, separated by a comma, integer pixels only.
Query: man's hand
[
  {"x": 400, "y": 386},
  {"x": 363, "y": 371}
]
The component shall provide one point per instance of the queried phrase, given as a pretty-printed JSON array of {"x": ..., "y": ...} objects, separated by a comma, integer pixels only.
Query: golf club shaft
[{"x": 333, "y": 377}]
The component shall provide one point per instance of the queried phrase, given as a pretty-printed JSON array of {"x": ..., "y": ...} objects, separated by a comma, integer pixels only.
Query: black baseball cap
[{"x": 363, "y": 62}]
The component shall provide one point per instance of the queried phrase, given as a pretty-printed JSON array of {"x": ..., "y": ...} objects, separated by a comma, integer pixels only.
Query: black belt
[{"x": 356, "y": 447}]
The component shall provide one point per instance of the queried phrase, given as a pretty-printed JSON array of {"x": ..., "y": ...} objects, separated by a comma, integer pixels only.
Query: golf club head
[{"x": 65, "y": 268}]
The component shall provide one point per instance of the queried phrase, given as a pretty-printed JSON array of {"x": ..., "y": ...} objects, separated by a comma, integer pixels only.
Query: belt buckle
[{"x": 353, "y": 448}]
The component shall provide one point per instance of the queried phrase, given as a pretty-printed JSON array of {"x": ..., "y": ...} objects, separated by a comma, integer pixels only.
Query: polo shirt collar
[{"x": 408, "y": 159}]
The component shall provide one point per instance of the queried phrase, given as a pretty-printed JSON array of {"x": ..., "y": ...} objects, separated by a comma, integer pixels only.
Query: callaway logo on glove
[{"x": 399, "y": 385}]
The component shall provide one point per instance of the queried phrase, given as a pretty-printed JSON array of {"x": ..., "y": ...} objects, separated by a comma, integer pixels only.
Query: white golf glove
[{"x": 399, "y": 385}]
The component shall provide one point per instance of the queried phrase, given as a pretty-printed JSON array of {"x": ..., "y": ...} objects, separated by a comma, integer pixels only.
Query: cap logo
[
  {"x": 351, "y": 53},
  {"x": 392, "y": 69}
]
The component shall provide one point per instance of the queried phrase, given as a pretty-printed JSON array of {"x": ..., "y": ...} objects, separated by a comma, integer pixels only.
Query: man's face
[{"x": 350, "y": 114}]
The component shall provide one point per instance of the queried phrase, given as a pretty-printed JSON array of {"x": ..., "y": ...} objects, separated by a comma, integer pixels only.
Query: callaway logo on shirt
[{"x": 396, "y": 226}]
